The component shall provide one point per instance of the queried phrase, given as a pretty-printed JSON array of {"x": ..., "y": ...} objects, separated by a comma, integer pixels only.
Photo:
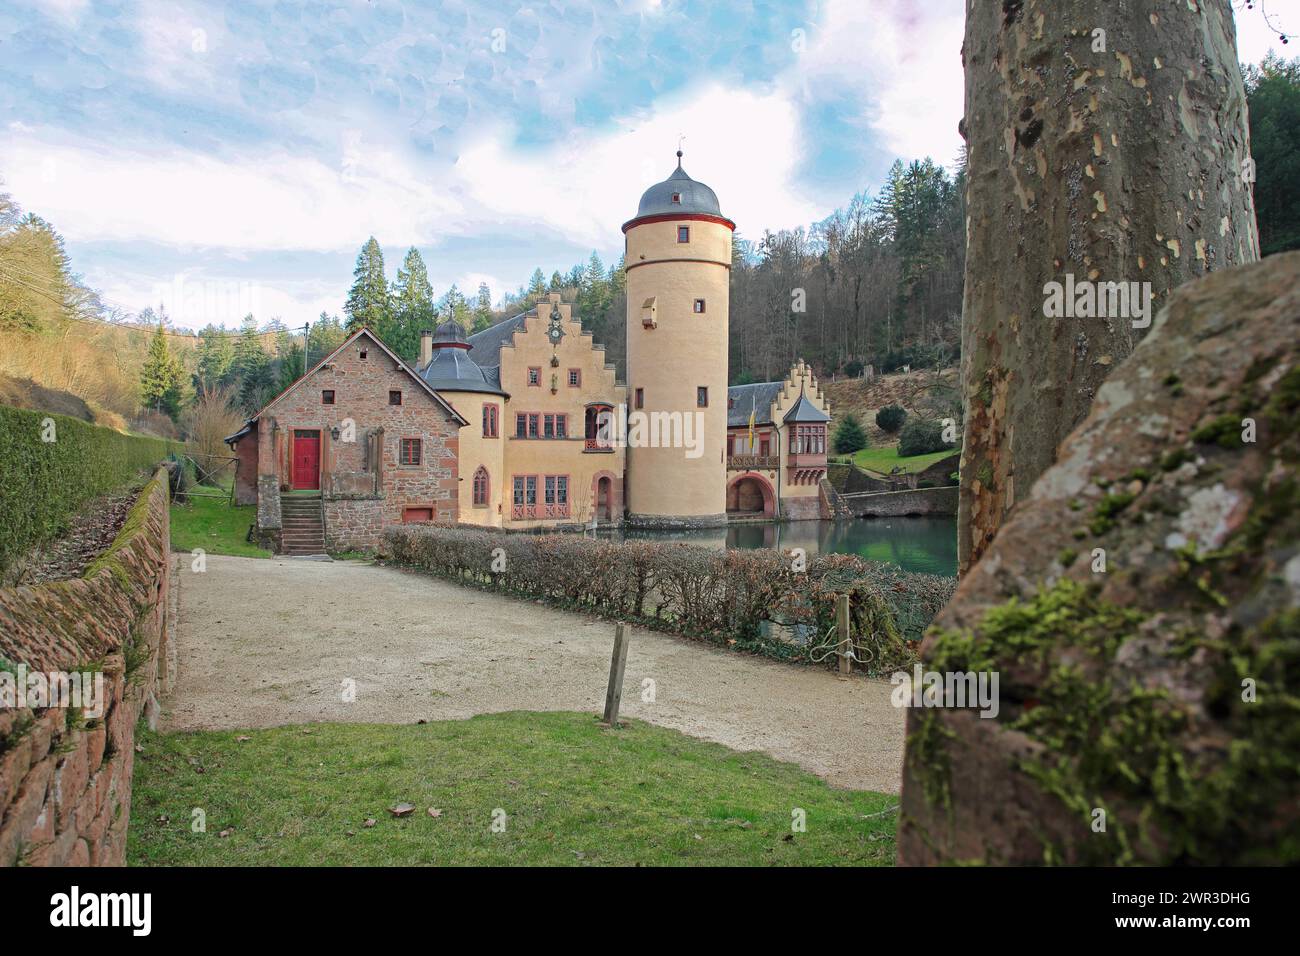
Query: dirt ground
[{"x": 265, "y": 642}]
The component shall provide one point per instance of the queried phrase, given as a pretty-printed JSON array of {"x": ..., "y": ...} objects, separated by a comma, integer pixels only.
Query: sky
[{"x": 222, "y": 158}]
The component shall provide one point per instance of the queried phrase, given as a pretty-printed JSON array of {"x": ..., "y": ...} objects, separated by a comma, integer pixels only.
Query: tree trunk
[{"x": 1108, "y": 144}]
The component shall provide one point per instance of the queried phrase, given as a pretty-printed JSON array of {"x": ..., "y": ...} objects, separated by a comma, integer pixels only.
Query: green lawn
[
  {"x": 883, "y": 460},
  {"x": 216, "y": 527},
  {"x": 572, "y": 793}
]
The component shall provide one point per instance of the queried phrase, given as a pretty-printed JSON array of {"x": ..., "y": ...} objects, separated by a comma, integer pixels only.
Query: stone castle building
[{"x": 523, "y": 425}]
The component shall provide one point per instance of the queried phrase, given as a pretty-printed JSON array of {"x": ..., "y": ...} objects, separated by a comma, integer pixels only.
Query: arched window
[{"x": 481, "y": 486}]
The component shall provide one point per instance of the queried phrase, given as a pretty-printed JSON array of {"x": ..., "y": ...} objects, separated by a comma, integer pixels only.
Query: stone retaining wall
[
  {"x": 898, "y": 504},
  {"x": 65, "y": 777}
]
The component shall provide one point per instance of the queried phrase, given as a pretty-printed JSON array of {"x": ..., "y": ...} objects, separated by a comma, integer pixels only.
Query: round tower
[{"x": 678, "y": 267}]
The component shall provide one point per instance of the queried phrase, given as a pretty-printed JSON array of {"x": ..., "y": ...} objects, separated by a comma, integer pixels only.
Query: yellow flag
[{"x": 752, "y": 410}]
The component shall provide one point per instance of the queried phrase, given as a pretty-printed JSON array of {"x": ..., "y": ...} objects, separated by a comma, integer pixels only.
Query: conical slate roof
[
  {"x": 451, "y": 369},
  {"x": 693, "y": 196}
]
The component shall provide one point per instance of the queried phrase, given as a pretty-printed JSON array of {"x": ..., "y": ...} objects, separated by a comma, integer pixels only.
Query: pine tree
[
  {"x": 160, "y": 379},
  {"x": 849, "y": 436},
  {"x": 368, "y": 302},
  {"x": 253, "y": 366},
  {"x": 482, "y": 309},
  {"x": 537, "y": 284},
  {"x": 216, "y": 358},
  {"x": 412, "y": 302},
  {"x": 453, "y": 306}
]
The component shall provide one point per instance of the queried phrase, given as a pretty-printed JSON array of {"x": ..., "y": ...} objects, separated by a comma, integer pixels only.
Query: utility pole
[{"x": 306, "y": 347}]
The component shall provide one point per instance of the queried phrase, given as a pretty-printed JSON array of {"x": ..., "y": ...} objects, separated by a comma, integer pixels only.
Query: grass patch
[
  {"x": 215, "y": 526},
  {"x": 884, "y": 459},
  {"x": 573, "y": 794}
]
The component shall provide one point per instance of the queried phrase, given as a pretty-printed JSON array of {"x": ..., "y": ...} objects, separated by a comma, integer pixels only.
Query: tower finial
[{"x": 680, "y": 137}]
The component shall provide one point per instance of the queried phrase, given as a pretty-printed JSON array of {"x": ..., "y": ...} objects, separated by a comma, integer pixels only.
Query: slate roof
[
  {"x": 695, "y": 196},
  {"x": 488, "y": 342},
  {"x": 452, "y": 370},
  {"x": 759, "y": 396},
  {"x": 805, "y": 411}
]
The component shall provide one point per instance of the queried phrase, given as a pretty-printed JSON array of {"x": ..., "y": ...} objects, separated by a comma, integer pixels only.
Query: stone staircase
[{"x": 302, "y": 526}]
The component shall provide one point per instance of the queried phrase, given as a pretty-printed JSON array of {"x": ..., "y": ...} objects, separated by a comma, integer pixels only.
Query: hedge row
[
  {"x": 693, "y": 590},
  {"x": 44, "y": 482}
]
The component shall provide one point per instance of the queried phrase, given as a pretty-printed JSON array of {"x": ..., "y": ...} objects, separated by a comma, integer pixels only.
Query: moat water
[{"x": 927, "y": 544}]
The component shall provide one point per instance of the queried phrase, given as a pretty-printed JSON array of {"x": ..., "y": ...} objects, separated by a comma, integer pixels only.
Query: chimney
[{"x": 426, "y": 347}]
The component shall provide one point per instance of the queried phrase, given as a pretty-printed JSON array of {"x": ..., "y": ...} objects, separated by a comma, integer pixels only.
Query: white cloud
[
  {"x": 745, "y": 145},
  {"x": 266, "y": 201}
]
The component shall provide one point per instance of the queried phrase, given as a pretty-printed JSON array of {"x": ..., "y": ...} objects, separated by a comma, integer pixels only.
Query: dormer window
[
  {"x": 677, "y": 198},
  {"x": 363, "y": 355}
]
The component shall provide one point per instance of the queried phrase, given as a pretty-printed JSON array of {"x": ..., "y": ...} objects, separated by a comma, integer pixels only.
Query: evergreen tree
[
  {"x": 160, "y": 379},
  {"x": 454, "y": 306},
  {"x": 291, "y": 365},
  {"x": 557, "y": 282},
  {"x": 482, "y": 309},
  {"x": 253, "y": 367},
  {"x": 413, "y": 310},
  {"x": 536, "y": 285},
  {"x": 216, "y": 359},
  {"x": 325, "y": 336},
  {"x": 1273, "y": 99},
  {"x": 849, "y": 436},
  {"x": 368, "y": 302}
]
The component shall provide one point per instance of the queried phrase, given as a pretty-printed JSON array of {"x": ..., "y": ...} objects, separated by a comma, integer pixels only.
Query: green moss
[
  {"x": 1067, "y": 556},
  {"x": 1103, "y": 516},
  {"x": 927, "y": 751},
  {"x": 1224, "y": 431},
  {"x": 1171, "y": 793},
  {"x": 1174, "y": 459}
]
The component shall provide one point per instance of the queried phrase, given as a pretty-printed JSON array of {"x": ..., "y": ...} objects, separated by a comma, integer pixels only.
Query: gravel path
[{"x": 265, "y": 642}]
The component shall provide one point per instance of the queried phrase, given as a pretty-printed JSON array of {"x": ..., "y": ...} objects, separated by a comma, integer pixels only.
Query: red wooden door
[{"x": 306, "y": 459}]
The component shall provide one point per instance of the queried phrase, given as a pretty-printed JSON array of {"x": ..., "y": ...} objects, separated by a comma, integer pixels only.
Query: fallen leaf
[
  {"x": 435, "y": 812},
  {"x": 139, "y": 749},
  {"x": 243, "y": 739},
  {"x": 402, "y": 809},
  {"x": 369, "y": 823},
  {"x": 226, "y": 832}
]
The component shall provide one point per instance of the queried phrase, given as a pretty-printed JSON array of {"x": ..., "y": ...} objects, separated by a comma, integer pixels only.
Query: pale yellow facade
[
  {"x": 536, "y": 377},
  {"x": 790, "y": 472},
  {"x": 673, "y": 351}
]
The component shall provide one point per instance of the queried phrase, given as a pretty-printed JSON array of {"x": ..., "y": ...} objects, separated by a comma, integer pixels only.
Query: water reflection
[{"x": 926, "y": 544}]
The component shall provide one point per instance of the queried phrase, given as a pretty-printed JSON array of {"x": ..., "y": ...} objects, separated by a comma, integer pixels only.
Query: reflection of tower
[{"x": 678, "y": 259}]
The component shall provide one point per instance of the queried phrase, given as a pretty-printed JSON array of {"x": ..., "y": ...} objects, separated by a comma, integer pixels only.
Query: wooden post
[
  {"x": 842, "y": 626},
  {"x": 614, "y": 695}
]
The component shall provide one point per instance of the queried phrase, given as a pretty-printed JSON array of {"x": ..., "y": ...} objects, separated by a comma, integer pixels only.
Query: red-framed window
[
  {"x": 640, "y": 398},
  {"x": 327, "y": 396},
  {"x": 683, "y": 233},
  {"x": 575, "y": 378},
  {"x": 534, "y": 425},
  {"x": 764, "y": 445},
  {"x": 555, "y": 426},
  {"x": 534, "y": 375},
  {"x": 521, "y": 425},
  {"x": 699, "y": 306},
  {"x": 808, "y": 440},
  {"x": 491, "y": 416},
  {"x": 412, "y": 451},
  {"x": 525, "y": 490},
  {"x": 701, "y": 396},
  {"x": 394, "y": 396},
  {"x": 481, "y": 487},
  {"x": 557, "y": 490},
  {"x": 731, "y": 444}
]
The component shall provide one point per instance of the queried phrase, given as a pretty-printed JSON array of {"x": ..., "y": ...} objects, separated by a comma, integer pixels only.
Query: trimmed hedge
[
  {"x": 44, "y": 483},
  {"x": 723, "y": 595}
]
